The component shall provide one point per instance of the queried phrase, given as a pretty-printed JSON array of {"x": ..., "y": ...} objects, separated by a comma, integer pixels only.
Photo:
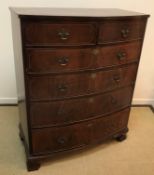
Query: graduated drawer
[
  {"x": 76, "y": 59},
  {"x": 49, "y": 34},
  {"x": 70, "y": 85},
  {"x": 78, "y": 135},
  {"x": 112, "y": 31},
  {"x": 73, "y": 110}
]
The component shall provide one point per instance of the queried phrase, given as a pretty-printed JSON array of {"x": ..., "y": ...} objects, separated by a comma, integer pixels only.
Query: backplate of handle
[
  {"x": 63, "y": 34},
  {"x": 62, "y": 87},
  {"x": 125, "y": 33},
  {"x": 63, "y": 61},
  {"x": 121, "y": 55},
  {"x": 116, "y": 78},
  {"x": 62, "y": 140}
]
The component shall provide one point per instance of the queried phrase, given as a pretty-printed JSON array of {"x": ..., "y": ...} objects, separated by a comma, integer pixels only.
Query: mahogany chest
[{"x": 75, "y": 76}]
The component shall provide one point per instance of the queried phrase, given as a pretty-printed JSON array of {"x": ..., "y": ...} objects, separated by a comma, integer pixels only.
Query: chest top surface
[{"x": 83, "y": 12}]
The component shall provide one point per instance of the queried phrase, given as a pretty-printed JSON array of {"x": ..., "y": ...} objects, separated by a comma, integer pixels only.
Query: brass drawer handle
[
  {"x": 116, "y": 78},
  {"x": 62, "y": 88},
  {"x": 62, "y": 140},
  {"x": 63, "y": 34},
  {"x": 113, "y": 100},
  {"x": 121, "y": 55},
  {"x": 125, "y": 33},
  {"x": 63, "y": 61}
]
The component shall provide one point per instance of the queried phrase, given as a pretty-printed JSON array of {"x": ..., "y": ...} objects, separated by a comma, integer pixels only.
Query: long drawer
[
  {"x": 59, "y": 60},
  {"x": 79, "y": 109},
  {"x": 73, "y": 136},
  {"x": 69, "y": 85}
]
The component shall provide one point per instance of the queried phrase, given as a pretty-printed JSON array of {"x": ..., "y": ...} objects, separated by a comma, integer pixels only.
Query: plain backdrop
[{"x": 144, "y": 90}]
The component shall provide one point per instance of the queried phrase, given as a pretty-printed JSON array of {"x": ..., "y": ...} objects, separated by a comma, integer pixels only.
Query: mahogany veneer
[
  {"x": 59, "y": 60},
  {"x": 50, "y": 87},
  {"x": 76, "y": 78}
]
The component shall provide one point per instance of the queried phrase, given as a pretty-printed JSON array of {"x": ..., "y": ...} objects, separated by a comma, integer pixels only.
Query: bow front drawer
[
  {"x": 75, "y": 59},
  {"x": 112, "y": 31},
  {"x": 78, "y": 135},
  {"x": 71, "y": 85},
  {"x": 49, "y": 34},
  {"x": 72, "y": 110}
]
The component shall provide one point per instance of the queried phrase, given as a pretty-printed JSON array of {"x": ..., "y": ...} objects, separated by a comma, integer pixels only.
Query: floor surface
[{"x": 134, "y": 156}]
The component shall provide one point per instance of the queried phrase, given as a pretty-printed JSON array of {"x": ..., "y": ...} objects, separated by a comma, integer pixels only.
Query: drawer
[
  {"x": 68, "y": 59},
  {"x": 112, "y": 31},
  {"x": 78, "y": 109},
  {"x": 118, "y": 54},
  {"x": 48, "y": 34},
  {"x": 70, "y": 85},
  {"x": 58, "y": 60},
  {"x": 78, "y": 135}
]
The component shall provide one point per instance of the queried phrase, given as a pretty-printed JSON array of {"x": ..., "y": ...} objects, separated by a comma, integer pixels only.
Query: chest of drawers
[{"x": 75, "y": 76}]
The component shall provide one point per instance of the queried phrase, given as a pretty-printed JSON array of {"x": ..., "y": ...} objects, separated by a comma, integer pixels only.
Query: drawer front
[
  {"x": 122, "y": 30},
  {"x": 68, "y": 59},
  {"x": 118, "y": 54},
  {"x": 78, "y": 135},
  {"x": 61, "y": 86},
  {"x": 46, "y": 34},
  {"x": 69, "y": 111},
  {"x": 58, "y": 60}
]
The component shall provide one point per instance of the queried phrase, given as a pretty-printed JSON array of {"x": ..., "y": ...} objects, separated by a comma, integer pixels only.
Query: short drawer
[
  {"x": 52, "y": 60},
  {"x": 78, "y": 135},
  {"x": 72, "y": 110},
  {"x": 118, "y": 54},
  {"x": 112, "y": 31},
  {"x": 71, "y": 85},
  {"x": 46, "y": 34},
  {"x": 71, "y": 59}
]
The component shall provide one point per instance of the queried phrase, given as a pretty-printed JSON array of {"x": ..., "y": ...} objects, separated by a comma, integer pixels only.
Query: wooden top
[{"x": 84, "y": 12}]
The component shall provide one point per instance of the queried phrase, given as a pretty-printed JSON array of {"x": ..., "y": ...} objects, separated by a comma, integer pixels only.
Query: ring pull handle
[
  {"x": 63, "y": 61},
  {"x": 121, "y": 55},
  {"x": 125, "y": 33},
  {"x": 62, "y": 140},
  {"x": 116, "y": 78},
  {"x": 62, "y": 88},
  {"x": 63, "y": 34}
]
